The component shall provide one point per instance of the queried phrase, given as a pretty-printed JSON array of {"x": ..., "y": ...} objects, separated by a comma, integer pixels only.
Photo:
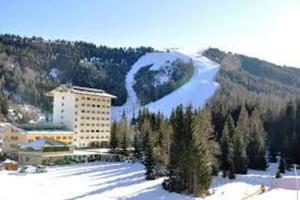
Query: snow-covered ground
[
  {"x": 112, "y": 181},
  {"x": 196, "y": 91}
]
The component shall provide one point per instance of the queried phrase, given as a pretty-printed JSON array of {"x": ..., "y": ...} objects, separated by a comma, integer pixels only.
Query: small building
[
  {"x": 13, "y": 135},
  {"x": 43, "y": 151},
  {"x": 10, "y": 165}
]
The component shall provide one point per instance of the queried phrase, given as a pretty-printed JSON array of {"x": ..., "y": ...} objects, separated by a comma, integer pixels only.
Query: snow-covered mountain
[{"x": 200, "y": 87}]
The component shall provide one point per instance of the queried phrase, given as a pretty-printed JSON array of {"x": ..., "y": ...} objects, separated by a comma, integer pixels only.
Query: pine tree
[
  {"x": 282, "y": 164},
  {"x": 137, "y": 145},
  {"x": 201, "y": 158},
  {"x": 124, "y": 137},
  {"x": 227, "y": 153},
  {"x": 256, "y": 147},
  {"x": 149, "y": 161},
  {"x": 176, "y": 182},
  {"x": 114, "y": 137},
  {"x": 239, "y": 152}
]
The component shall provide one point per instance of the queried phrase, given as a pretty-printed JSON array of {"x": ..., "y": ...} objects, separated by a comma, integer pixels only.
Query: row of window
[
  {"x": 94, "y": 99},
  {"x": 14, "y": 137},
  {"x": 93, "y": 131},
  {"x": 96, "y": 137},
  {"x": 92, "y": 124},
  {"x": 93, "y": 105},
  {"x": 52, "y": 137},
  {"x": 92, "y": 118},
  {"x": 94, "y": 112}
]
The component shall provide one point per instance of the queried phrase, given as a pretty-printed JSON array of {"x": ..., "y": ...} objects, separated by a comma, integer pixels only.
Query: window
[
  {"x": 82, "y": 104},
  {"x": 93, "y": 105},
  {"x": 58, "y": 137},
  {"x": 37, "y": 138},
  {"x": 70, "y": 137},
  {"x": 83, "y": 98},
  {"x": 75, "y": 119},
  {"x": 98, "y": 106},
  {"x": 83, "y": 111},
  {"x": 64, "y": 137},
  {"x": 92, "y": 132},
  {"x": 88, "y": 98},
  {"x": 81, "y": 137},
  {"x": 63, "y": 97},
  {"x": 62, "y": 104},
  {"x": 97, "y": 131},
  {"x": 62, "y": 110},
  {"x": 76, "y": 99},
  {"x": 87, "y": 137}
]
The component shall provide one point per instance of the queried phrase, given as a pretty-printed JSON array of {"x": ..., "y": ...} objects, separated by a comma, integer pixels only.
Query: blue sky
[{"x": 268, "y": 29}]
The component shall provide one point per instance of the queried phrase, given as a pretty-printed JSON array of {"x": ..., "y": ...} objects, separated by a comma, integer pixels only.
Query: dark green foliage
[
  {"x": 227, "y": 151},
  {"x": 25, "y": 65},
  {"x": 113, "y": 137},
  {"x": 202, "y": 155},
  {"x": 149, "y": 161},
  {"x": 282, "y": 165},
  {"x": 239, "y": 152},
  {"x": 148, "y": 86}
]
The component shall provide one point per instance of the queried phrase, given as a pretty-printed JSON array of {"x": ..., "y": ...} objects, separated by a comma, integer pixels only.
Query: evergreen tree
[
  {"x": 124, "y": 136},
  {"x": 239, "y": 152},
  {"x": 114, "y": 137},
  {"x": 149, "y": 161},
  {"x": 256, "y": 147},
  {"x": 227, "y": 153},
  {"x": 201, "y": 159}
]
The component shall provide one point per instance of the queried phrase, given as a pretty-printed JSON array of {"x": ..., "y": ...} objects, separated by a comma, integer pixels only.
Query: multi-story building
[{"x": 86, "y": 111}]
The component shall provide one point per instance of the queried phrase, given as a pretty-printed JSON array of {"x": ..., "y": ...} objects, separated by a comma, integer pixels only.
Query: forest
[{"x": 27, "y": 64}]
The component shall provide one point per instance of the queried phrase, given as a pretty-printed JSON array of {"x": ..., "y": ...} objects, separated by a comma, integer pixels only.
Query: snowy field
[{"x": 110, "y": 181}]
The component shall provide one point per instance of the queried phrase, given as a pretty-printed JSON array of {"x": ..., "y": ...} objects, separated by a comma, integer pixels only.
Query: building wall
[
  {"x": 63, "y": 109},
  {"x": 11, "y": 138},
  {"x": 57, "y": 135},
  {"x": 92, "y": 119}
]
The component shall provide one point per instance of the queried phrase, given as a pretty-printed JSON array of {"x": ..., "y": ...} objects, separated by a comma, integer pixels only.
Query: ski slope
[{"x": 196, "y": 91}]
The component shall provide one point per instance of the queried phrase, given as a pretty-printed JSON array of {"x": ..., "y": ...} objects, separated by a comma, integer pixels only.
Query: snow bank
[{"x": 113, "y": 181}]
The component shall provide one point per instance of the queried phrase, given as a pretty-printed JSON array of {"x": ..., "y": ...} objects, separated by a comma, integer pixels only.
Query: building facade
[
  {"x": 13, "y": 136},
  {"x": 86, "y": 111}
]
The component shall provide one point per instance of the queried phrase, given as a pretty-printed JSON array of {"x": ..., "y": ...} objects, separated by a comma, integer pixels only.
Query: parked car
[{"x": 40, "y": 169}]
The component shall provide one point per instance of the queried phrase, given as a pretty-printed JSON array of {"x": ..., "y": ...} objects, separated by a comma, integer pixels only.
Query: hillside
[
  {"x": 195, "y": 91},
  {"x": 29, "y": 67},
  {"x": 254, "y": 75}
]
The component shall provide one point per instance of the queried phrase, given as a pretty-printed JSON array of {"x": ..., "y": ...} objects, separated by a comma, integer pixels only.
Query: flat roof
[{"x": 81, "y": 90}]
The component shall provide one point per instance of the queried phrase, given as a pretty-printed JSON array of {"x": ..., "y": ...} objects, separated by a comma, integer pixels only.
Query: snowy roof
[
  {"x": 39, "y": 144},
  {"x": 80, "y": 90},
  {"x": 45, "y": 129},
  {"x": 9, "y": 161}
]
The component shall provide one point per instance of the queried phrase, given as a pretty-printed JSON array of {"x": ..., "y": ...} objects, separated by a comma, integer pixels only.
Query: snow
[
  {"x": 196, "y": 91},
  {"x": 37, "y": 144},
  {"x": 54, "y": 72},
  {"x": 112, "y": 181}
]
